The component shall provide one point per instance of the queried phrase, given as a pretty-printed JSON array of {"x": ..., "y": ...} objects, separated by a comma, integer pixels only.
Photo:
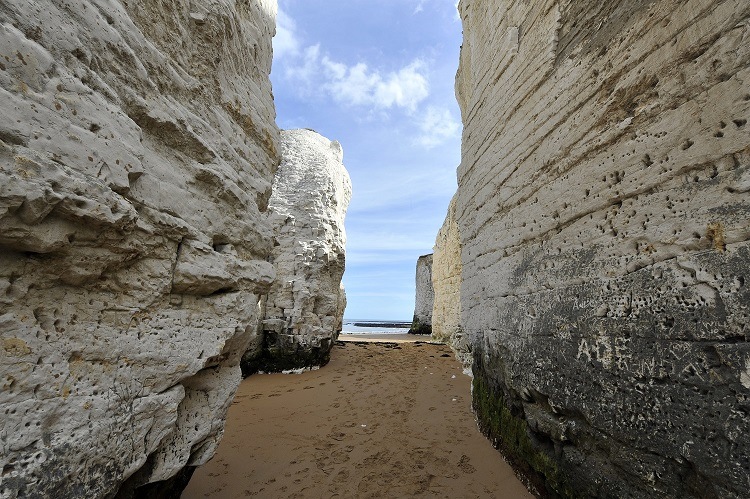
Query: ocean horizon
[{"x": 375, "y": 326}]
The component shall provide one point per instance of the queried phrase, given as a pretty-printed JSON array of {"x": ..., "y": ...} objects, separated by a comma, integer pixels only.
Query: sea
[{"x": 368, "y": 326}]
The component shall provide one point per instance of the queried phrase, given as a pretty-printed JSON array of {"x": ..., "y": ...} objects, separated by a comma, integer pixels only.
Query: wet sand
[{"x": 380, "y": 420}]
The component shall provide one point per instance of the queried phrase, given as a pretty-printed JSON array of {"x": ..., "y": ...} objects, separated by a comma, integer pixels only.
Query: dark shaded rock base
[
  {"x": 283, "y": 352},
  {"x": 418, "y": 327}
]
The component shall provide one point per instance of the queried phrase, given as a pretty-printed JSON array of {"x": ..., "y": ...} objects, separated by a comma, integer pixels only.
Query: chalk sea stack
[
  {"x": 425, "y": 296},
  {"x": 304, "y": 309}
]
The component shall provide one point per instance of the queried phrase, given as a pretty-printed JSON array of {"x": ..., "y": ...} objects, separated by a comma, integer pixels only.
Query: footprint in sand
[
  {"x": 463, "y": 465},
  {"x": 340, "y": 457},
  {"x": 337, "y": 436},
  {"x": 342, "y": 476}
]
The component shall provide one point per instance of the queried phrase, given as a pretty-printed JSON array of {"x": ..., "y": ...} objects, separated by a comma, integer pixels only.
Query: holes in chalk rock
[
  {"x": 221, "y": 244},
  {"x": 739, "y": 123}
]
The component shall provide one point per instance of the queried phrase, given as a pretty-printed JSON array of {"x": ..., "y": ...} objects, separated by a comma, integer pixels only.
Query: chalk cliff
[
  {"x": 424, "y": 297},
  {"x": 137, "y": 151},
  {"x": 304, "y": 309},
  {"x": 446, "y": 283},
  {"x": 603, "y": 215}
]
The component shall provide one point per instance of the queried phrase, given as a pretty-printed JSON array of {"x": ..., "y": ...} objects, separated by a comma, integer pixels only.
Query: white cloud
[
  {"x": 351, "y": 85},
  {"x": 405, "y": 88},
  {"x": 307, "y": 67},
  {"x": 436, "y": 126},
  {"x": 285, "y": 42},
  {"x": 421, "y": 5},
  {"x": 358, "y": 85}
]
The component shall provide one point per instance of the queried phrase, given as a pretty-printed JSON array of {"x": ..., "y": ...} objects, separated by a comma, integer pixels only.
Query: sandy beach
[{"x": 380, "y": 420}]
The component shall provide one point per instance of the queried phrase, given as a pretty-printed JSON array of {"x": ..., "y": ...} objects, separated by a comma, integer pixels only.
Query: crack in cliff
[{"x": 176, "y": 261}]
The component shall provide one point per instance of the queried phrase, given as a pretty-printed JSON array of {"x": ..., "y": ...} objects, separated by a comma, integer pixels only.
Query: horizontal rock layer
[
  {"x": 603, "y": 214},
  {"x": 137, "y": 151},
  {"x": 304, "y": 309}
]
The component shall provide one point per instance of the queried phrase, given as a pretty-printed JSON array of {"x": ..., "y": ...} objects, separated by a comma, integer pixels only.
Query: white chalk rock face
[
  {"x": 424, "y": 297},
  {"x": 305, "y": 307},
  {"x": 137, "y": 151},
  {"x": 603, "y": 212},
  {"x": 446, "y": 283}
]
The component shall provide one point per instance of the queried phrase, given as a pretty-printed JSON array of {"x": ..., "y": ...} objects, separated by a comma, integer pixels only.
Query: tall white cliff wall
[
  {"x": 137, "y": 151},
  {"x": 305, "y": 306},
  {"x": 603, "y": 211}
]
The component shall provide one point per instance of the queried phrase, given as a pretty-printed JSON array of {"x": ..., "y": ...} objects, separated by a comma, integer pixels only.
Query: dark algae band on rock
[
  {"x": 419, "y": 327},
  {"x": 501, "y": 420},
  {"x": 285, "y": 353}
]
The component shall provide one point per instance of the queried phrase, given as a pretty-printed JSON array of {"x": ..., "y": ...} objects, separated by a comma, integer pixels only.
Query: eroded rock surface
[
  {"x": 137, "y": 151},
  {"x": 603, "y": 213},
  {"x": 446, "y": 283},
  {"x": 305, "y": 307},
  {"x": 424, "y": 297}
]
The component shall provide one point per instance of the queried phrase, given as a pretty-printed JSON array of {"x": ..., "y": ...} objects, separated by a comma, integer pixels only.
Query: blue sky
[{"x": 378, "y": 75}]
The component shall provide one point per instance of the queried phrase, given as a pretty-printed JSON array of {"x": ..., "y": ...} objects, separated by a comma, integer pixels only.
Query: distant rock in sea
[{"x": 425, "y": 296}]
